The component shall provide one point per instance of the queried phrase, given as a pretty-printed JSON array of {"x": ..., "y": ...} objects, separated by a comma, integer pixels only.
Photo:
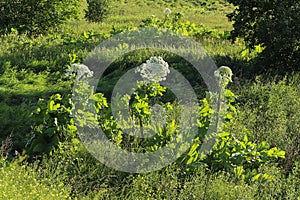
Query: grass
[
  {"x": 23, "y": 182},
  {"x": 33, "y": 68},
  {"x": 212, "y": 14}
]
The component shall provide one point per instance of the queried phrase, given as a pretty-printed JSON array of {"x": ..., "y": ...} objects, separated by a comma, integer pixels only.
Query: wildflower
[
  {"x": 167, "y": 11},
  {"x": 224, "y": 74},
  {"x": 154, "y": 70},
  {"x": 82, "y": 71}
]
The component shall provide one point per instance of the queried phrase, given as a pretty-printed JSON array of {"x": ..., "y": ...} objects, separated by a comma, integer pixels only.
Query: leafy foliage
[
  {"x": 57, "y": 122},
  {"x": 56, "y": 125},
  {"x": 228, "y": 153},
  {"x": 273, "y": 24},
  {"x": 35, "y": 16}
]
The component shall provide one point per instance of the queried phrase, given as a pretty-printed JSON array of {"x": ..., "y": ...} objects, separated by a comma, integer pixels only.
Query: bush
[
  {"x": 272, "y": 24},
  {"x": 97, "y": 10},
  {"x": 35, "y": 16}
]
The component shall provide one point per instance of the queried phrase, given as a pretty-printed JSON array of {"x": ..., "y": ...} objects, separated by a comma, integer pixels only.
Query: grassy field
[
  {"x": 123, "y": 13},
  {"x": 33, "y": 68}
]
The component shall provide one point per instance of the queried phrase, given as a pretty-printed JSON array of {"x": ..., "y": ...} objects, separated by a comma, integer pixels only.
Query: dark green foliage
[
  {"x": 54, "y": 123},
  {"x": 97, "y": 10},
  {"x": 55, "y": 126},
  {"x": 35, "y": 16},
  {"x": 15, "y": 120},
  {"x": 275, "y": 25}
]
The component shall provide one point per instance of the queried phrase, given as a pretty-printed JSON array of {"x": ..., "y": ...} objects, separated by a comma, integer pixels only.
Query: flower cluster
[
  {"x": 167, "y": 11},
  {"x": 81, "y": 71},
  {"x": 224, "y": 74},
  {"x": 154, "y": 70}
]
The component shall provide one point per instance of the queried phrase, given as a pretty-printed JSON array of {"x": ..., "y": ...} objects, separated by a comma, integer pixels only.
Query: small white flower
[
  {"x": 154, "y": 70},
  {"x": 82, "y": 71},
  {"x": 167, "y": 11}
]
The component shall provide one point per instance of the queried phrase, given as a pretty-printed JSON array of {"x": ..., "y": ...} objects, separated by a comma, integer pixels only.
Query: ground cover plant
[{"x": 256, "y": 141}]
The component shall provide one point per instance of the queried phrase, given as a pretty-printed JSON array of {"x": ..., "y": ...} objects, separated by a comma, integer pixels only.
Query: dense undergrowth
[{"x": 256, "y": 155}]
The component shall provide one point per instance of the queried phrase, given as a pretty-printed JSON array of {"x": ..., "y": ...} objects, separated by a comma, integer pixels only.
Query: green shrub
[
  {"x": 239, "y": 156},
  {"x": 275, "y": 25},
  {"x": 97, "y": 10},
  {"x": 35, "y": 16}
]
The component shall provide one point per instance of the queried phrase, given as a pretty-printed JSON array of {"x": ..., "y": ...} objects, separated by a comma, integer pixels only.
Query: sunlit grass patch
[{"x": 22, "y": 182}]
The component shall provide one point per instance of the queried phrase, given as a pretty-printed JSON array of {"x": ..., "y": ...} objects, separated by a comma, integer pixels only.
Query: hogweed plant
[
  {"x": 155, "y": 122},
  {"x": 147, "y": 112},
  {"x": 79, "y": 72},
  {"x": 167, "y": 11},
  {"x": 220, "y": 149},
  {"x": 55, "y": 117}
]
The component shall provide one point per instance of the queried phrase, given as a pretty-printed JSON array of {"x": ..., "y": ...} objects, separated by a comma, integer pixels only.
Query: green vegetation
[
  {"x": 24, "y": 182},
  {"x": 97, "y": 10},
  {"x": 35, "y": 17},
  {"x": 251, "y": 122},
  {"x": 274, "y": 25}
]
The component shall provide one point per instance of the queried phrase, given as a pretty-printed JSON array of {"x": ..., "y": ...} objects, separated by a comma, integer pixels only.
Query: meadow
[{"x": 256, "y": 155}]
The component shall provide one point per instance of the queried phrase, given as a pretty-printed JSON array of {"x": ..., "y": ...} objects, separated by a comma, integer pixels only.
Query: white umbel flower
[
  {"x": 81, "y": 71},
  {"x": 154, "y": 70},
  {"x": 224, "y": 74},
  {"x": 167, "y": 11}
]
